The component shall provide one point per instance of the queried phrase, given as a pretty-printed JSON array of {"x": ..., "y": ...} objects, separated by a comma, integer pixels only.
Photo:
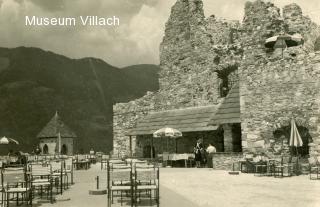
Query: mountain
[{"x": 35, "y": 83}]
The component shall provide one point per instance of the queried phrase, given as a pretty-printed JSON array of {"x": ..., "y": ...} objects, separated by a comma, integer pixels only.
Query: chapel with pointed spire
[{"x": 56, "y": 137}]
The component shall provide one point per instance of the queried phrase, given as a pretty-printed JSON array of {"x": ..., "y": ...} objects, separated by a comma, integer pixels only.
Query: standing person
[
  {"x": 37, "y": 151},
  {"x": 197, "y": 153},
  {"x": 210, "y": 150}
]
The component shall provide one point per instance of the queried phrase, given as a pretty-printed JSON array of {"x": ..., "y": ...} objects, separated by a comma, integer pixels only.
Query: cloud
[
  {"x": 49, "y": 4},
  {"x": 135, "y": 41},
  {"x": 233, "y": 10}
]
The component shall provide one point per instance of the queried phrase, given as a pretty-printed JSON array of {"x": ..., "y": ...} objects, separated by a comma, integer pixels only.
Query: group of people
[{"x": 204, "y": 156}]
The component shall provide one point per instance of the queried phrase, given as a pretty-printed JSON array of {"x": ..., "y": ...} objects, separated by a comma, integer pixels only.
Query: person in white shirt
[{"x": 210, "y": 150}]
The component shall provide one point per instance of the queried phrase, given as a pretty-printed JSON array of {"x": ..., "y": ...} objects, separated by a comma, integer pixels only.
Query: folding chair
[
  {"x": 146, "y": 180},
  {"x": 15, "y": 181},
  {"x": 119, "y": 180}
]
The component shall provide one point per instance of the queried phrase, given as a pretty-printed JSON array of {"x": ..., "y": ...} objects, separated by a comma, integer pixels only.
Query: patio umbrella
[
  {"x": 6, "y": 140},
  {"x": 284, "y": 41},
  {"x": 168, "y": 133},
  {"x": 295, "y": 138}
]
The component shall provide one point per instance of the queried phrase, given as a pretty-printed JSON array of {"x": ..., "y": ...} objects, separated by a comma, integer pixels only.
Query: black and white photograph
[{"x": 160, "y": 103}]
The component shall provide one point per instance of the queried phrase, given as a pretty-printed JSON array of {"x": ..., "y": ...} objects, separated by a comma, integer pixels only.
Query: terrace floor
[{"x": 203, "y": 187}]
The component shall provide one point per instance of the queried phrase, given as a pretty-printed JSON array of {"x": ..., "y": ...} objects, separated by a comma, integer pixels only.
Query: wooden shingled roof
[
  {"x": 54, "y": 126},
  {"x": 229, "y": 110},
  {"x": 185, "y": 120}
]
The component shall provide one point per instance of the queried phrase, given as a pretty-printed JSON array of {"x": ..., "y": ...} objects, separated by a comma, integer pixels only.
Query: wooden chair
[
  {"x": 15, "y": 181},
  {"x": 119, "y": 181},
  {"x": 284, "y": 168},
  {"x": 58, "y": 174},
  {"x": 260, "y": 165},
  {"x": 313, "y": 168},
  {"x": 82, "y": 162},
  {"x": 104, "y": 161},
  {"x": 68, "y": 169},
  {"x": 295, "y": 165},
  {"x": 165, "y": 158},
  {"x": 271, "y": 167},
  {"x": 41, "y": 179},
  {"x": 146, "y": 180},
  {"x": 246, "y": 165}
]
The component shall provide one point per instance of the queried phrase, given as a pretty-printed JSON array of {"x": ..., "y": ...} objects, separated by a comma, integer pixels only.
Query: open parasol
[
  {"x": 167, "y": 132},
  {"x": 6, "y": 140},
  {"x": 284, "y": 41}
]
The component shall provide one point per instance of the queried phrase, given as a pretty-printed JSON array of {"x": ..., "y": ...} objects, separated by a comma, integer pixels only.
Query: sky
[{"x": 135, "y": 41}]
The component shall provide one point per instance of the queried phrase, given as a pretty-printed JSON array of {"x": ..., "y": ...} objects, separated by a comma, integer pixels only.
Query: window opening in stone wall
[
  {"x": 227, "y": 78},
  {"x": 281, "y": 141}
]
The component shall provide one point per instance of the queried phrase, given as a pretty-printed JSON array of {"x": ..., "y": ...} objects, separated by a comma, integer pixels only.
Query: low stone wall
[{"x": 224, "y": 161}]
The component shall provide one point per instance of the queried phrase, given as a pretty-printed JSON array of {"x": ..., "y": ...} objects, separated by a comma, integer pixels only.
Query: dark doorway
[
  {"x": 236, "y": 138},
  {"x": 283, "y": 134},
  {"x": 64, "y": 150},
  {"x": 45, "y": 149},
  {"x": 147, "y": 152}
]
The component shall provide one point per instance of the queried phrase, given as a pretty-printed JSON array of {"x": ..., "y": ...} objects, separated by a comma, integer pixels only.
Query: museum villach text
[{"x": 72, "y": 21}]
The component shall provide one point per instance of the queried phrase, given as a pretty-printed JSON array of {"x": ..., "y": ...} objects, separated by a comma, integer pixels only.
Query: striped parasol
[
  {"x": 6, "y": 140},
  {"x": 295, "y": 138},
  {"x": 168, "y": 133}
]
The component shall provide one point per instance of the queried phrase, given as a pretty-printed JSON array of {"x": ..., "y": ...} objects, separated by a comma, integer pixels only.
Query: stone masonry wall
[
  {"x": 196, "y": 50},
  {"x": 192, "y": 51},
  {"x": 276, "y": 88},
  {"x": 275, "y": 92}
]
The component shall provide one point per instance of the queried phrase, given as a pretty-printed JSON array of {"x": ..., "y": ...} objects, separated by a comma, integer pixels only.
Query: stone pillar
[{"x": 227, "y": 128}]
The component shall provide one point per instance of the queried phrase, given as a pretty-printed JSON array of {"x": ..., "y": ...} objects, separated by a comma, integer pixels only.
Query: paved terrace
[{"x": 203, "y": 187}]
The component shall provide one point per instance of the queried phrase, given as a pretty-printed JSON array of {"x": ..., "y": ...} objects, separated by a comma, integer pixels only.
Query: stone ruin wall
[
  {"x": 188, "y": 74},
  {"x": 274, "y": 92},
  {"x": 195, "y": 50},
  {"x": 273, "y": 88}
]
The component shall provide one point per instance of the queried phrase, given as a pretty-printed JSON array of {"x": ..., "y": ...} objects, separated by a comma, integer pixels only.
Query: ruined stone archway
[
  {"x": 282, "y": 137},
  {"x": 278, "y": 134}
]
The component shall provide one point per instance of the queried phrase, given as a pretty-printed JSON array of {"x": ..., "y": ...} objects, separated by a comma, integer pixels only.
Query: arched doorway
[
  {"x": 282, "y": 135},
  {"x": 45, "y": 149},
  {"x": 64, "y": 149}
]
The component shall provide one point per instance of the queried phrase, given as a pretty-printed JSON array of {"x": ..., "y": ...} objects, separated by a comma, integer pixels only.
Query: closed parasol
[{"x": 295, "y": 138}]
